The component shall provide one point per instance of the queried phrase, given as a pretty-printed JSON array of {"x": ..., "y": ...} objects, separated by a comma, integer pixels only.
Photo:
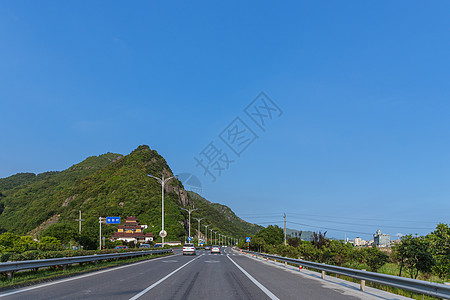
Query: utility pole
[
  {"x": 163, "y": 182},
  {"x": 198, "y": 233},
  {"x": 189, "y": 211},
  {"x": 285, "y": 229},
  {"x": 79, "y": 220}
]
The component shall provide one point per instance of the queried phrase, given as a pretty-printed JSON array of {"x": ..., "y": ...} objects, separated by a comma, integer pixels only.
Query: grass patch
[{"x": 30, "y": 277}]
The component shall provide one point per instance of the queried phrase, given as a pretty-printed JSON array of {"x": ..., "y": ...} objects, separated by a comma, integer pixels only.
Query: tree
[
  {"x": 64, "y": 232},
  {"x": 7, "y": 240},
  {"x": 258, "y": 244},
  {"x": 414, "y": 254},
  {"x": 339, "y": 252},
  {"x": 440, "y": 245},
  {"x": 24, "y": 243},
  {"x": 319, "y": 240},
  {"x": 50, "y": 243},
  {"x": 374, "y": 258},
  {"x": 400, "y": 254},
  {"x": 272, "y": 235},
  {"x": 294, "y": 242}
]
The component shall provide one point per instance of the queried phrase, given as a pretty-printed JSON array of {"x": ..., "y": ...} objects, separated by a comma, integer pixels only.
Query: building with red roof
[{"x": 131, "y": 231}]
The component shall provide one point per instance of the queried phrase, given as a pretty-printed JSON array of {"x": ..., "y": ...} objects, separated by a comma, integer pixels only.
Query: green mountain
[
  {"x": 108, "y": 185},
  {"x": 230, "y": 224}
]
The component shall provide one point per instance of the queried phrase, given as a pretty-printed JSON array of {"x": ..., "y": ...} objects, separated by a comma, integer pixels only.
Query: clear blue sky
[{"x": 364, "y": 88}]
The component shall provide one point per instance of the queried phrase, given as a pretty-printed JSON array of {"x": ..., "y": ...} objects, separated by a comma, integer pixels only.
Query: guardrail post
[
  {"x": 363, "y": 284},
  {"x": 9, "y": 275},
  {"x": 323, "y": 274},
  {"x": 285, "y": 264}
]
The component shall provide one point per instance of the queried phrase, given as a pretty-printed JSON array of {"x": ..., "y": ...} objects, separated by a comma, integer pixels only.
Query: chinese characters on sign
[{"x": 237, "y": 137}]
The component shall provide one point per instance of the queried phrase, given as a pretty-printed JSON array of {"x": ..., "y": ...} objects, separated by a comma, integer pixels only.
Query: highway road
[{"x": 229, "y": 275}]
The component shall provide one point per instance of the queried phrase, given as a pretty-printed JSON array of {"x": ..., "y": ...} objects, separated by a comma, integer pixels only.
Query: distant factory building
[
  {"x": 303, "y": 235},
  {"x": 381, "y": 239}
]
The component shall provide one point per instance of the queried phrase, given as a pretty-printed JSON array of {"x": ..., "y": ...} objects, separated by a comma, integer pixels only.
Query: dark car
[
  {"x": 144, "y": 246},
  {"x": 120, "y": 247}
]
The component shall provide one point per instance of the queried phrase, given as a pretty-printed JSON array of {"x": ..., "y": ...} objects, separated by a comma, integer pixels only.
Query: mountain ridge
[{"x": 108, "y": 185}]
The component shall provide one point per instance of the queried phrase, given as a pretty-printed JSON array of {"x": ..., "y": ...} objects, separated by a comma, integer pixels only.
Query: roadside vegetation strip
[{"x": 26, "y": 278}]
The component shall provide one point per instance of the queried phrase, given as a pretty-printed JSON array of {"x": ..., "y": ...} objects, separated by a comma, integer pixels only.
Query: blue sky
[{"x": 363, "y": 142}]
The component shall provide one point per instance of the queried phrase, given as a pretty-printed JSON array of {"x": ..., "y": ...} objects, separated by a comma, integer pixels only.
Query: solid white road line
[
  {"x": 162, "y": 279},
  {"x": 78, "y": 277},
  {"x": 263, "y": 288}
]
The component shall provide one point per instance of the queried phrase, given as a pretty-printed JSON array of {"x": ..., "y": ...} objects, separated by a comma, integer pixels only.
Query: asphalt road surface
[{"x": 229, "y": 275}]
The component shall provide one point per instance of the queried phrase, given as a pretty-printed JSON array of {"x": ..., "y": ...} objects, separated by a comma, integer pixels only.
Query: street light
[
  {"x": 189, "y": 211},
  {"x": 206, "y": 230},
  {"x": 211, "y": 237},
  {"x": 163, "y": 182},
  {"x": 198, "y": 233}
]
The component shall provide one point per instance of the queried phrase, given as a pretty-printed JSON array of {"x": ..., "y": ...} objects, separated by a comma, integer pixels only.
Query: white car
[
  {"x": 189, "y": 249},
  {"x": 215, "y": 249}
]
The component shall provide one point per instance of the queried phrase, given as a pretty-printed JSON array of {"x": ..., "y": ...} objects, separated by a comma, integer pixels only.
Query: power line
[
  {"x": 262, "y": 215},
  {"x": 327, "y": 228},
  {"x": 371, "y": 225},
  {"x": 370, "y": 219}
]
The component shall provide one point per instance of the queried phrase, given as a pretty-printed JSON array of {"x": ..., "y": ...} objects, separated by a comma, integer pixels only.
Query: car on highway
[
  {"x": 144, "y": 246},
  {"x": 120, "y": 247},
  {"x": 157, "y": 245},
  {"x": 207, "y": 248},
  {"x": 189, "y": 249},
  {"x": 215, "y": 249}
]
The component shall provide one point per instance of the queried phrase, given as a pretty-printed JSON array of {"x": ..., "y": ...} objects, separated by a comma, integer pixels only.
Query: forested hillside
[{"x": 107, "y": 185}]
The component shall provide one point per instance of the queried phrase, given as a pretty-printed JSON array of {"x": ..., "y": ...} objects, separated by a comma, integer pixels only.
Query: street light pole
[
  {"x": 206, "y": 230},
  {"x": 189, "y": 211},
  {"x": 100, "y": 221},
  {"x": 198, "y": 233},
  {"x": 163, "y": 182}
]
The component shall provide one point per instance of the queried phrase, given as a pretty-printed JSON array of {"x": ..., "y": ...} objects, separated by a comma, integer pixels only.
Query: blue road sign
[
  {"x": 248, "y": 239},
  {"x": 112, "y": 220},
  {"x": 189, "y": 239}
]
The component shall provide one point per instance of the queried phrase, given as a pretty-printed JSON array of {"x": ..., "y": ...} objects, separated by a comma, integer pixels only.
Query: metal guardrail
[
  {"x": 414, "y": 285},
  {"x": 13, "y": 266}
]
